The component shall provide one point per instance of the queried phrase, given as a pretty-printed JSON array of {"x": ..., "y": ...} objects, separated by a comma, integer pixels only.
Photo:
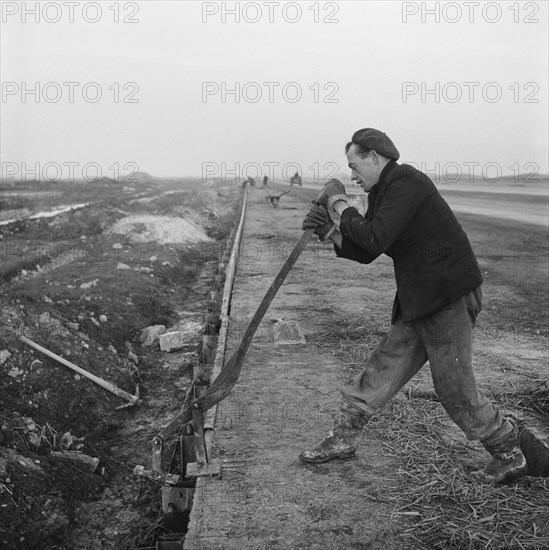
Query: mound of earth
[{"x": 160, "y": 229}]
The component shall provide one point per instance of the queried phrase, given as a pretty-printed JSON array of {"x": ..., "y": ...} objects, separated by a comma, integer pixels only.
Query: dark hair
[{"x": 360, "y": 151}]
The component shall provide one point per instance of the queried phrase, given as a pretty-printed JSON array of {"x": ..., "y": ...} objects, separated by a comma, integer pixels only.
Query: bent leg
[
  {"x": 398, "y": 356},
  {"x": 447, "y": 336}
]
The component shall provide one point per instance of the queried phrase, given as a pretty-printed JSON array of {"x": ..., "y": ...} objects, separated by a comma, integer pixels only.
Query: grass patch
[{"x": 446, "y": 508}]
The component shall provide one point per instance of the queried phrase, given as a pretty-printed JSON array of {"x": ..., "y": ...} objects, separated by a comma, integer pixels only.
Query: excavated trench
[
  {"x": 176, "y": 497},
  {"x": 177, "y": 492},
  {"x": 535, "y": 447}
]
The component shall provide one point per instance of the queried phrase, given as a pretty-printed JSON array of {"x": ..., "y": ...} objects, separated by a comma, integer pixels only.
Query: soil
[{"x": 86, "y": 293}]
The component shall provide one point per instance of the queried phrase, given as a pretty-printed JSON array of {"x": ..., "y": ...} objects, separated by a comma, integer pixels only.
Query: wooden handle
[{"x": 99, "y": 381}]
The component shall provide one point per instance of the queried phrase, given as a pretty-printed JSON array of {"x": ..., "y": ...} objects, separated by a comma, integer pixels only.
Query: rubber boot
[
  {"x": 508, "y": 462},
  {"x": 340, "y": 442}
]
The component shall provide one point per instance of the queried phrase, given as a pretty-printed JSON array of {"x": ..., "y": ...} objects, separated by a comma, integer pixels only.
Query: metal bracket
[
  {"x": 186, "y": 446},
  {"x": 157, "y": 473},
  {"x": 202, "y": 466}
]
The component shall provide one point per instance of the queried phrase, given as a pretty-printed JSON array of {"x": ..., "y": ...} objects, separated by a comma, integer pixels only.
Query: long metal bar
[{"x": 224, "y": 383}]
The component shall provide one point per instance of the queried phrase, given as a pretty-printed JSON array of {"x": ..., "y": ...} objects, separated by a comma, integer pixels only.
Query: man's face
[{"x": 364, "y": 170}]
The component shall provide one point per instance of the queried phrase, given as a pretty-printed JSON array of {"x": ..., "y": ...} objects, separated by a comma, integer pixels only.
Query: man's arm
[
  {"x": 336, "y": 238},
  {"x": 398, "y": 207},
  {"x": 345, "y": 248}
]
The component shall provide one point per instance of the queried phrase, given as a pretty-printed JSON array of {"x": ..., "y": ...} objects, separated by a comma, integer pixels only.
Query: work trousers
[{"x": 445, "y": 339}]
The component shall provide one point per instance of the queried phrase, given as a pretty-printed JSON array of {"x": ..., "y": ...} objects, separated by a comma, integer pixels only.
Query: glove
[
  {"x": 317, "y": 218},
  {"x": 333, "y": 191}
]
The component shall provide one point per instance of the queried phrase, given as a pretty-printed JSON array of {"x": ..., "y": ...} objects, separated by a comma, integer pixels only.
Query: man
[{"x": 438, "y": 298}]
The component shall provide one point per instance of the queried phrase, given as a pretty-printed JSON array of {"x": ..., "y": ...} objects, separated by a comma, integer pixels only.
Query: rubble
[
  {"x": 79, "y": 459},
  {"x": 90, "y": 284},
  {"x": 14, "y": 372},
  {"x": 53, "y": 325},
  {"x": 151, "y": 334},
  {"x": 176, "y": 340},
  {"x": 172, "y": 341},
  {"x": 8, "y": 455}
]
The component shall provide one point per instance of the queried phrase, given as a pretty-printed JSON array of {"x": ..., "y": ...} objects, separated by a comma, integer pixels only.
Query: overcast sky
[{"x": 468, "y": 91}]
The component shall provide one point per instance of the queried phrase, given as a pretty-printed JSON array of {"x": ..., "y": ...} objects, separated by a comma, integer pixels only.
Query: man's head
[{"x": 368, "y": 152}]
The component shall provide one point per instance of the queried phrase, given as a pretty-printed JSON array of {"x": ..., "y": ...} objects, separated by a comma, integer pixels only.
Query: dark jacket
[{"x": 408, "y": 220}]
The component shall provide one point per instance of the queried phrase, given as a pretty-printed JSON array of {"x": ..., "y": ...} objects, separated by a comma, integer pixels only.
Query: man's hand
[
  {"x": 333, "y": 191},
  {"x": 317, "y": 218}
]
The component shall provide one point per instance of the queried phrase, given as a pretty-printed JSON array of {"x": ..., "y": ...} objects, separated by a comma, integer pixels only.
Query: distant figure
[
  {"x": 274, "y": 198},
  {"x": 248, "y": 181},
  {"x": 296, "y": 178},
  {"x": 265, "y": 180}
]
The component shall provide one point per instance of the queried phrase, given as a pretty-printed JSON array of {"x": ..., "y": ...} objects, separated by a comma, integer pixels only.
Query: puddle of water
[
  {"x": 47, "y": 213},
  {"x": 32, "y": 194}
]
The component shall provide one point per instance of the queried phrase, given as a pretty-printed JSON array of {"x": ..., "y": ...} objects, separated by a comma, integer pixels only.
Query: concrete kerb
[
  {"x": 215, "y": 330},
  {"x": 213, "y": 323}
]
